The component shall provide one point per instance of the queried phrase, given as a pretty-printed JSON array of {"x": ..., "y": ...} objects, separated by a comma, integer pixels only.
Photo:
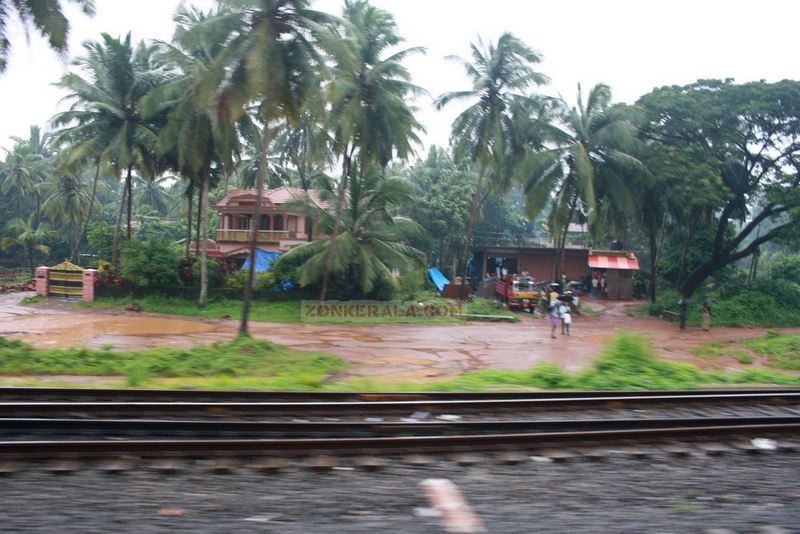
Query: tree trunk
[
  {"x": 562, "y": 242},
  {"x": 30, "y": 260},
  {"x": 199, "y": 219},
  {"x": 682, "y": 265},
  {"x": 653, "y": 259},
  {"x": 189, "y": 219},
  {"x": 129, "y": 186},
  {"x": 115, "y": 241},
  {"x": 326, "y": 273},
  {"x": 202, "y": 243},
  {"x": 261, "y": 176},
  {"x": 77, "y": 250},
  {"x": 471, "y": 223}
]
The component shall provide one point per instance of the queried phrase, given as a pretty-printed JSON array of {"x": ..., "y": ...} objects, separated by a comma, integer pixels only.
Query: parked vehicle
[{"x": 518, "y": 293}]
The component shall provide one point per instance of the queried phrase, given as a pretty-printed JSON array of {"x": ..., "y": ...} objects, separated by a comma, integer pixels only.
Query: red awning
[{"x": 603, "y": 261}]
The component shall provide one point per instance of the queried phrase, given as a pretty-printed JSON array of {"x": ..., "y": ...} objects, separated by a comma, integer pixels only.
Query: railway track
[{"x": 93, "y": 428}]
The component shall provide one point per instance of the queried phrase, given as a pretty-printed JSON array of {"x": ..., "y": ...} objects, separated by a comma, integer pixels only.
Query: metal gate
[{"x": 66, "y": 280}]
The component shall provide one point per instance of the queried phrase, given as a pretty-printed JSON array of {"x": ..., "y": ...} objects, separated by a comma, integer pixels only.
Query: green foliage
[
  {"x": 628, "y": 363},
  {"x": 151, "y": 263},
  {"x": 276, "y": 366},
  {"x": 763, "y": 303},
  {"x": 783, "y": 350},
  {"x": 784, "y": 267},
  {"x": 100, "y": 236}
]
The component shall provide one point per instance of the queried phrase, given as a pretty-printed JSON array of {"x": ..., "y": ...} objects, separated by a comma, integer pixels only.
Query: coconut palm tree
[
  {"x": 271, "y": 56},
  {"x": 23, "y": 169},
  {"x": 370, "y": 114},
  {"x": 192, "y": 132},
  {"x": 46, "y": 16},
  {"x": 590, "y": 162},
  {"x": 66, "y": 203},
  {"x": 104, "y": 121},
  {"x": 29, "y": 236},
  {"x": 372, "y": 241},
  {"x": 500, "y": 74}
]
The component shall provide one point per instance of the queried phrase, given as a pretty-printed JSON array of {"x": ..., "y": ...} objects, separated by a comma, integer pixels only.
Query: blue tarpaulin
[
  {"x": 263, "y": 260},
  {"x": 438, "y": 279}
]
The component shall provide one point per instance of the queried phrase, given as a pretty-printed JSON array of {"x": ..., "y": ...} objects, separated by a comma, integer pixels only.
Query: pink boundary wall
[
  {"x": 43, "y": 282},
  {"x": 89, "y": 278}
]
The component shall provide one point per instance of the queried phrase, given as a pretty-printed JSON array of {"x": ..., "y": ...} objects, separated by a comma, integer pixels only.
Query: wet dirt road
[{"x": 389, "y": 353}]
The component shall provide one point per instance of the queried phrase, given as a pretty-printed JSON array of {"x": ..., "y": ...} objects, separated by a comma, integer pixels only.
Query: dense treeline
[{"x": 699, "y": 178}]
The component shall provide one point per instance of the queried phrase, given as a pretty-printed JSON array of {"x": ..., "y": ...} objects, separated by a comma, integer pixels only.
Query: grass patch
[
  {"x": 281, "y": 311},
  {"x": 749, "y": 308},
  {"x": 242, "y": 360},
  {"x": 32, "y": 300},
  {"x": 627, "y": 363},
  {"x": 783, "y": 350}
]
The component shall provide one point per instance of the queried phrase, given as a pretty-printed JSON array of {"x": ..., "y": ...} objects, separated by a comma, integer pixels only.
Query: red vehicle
[{"x": 517, "y": 293}]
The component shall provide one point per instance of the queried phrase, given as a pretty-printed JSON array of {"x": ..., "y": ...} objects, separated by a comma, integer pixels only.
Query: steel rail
[
  {"x": 16, "y": 409},
  {"x": 373, "y": 445},
  {"x": 9, "y": 392},
  {"x": 341, "y": 429}
]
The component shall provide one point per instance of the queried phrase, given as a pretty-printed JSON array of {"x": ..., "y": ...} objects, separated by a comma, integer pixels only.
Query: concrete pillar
[
  {"x": 43, "y": 281},
  {"x": 89, "y": 280}
]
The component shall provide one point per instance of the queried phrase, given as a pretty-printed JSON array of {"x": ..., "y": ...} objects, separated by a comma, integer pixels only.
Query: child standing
[
  {"x": 554, "y": 318},
  {"x": 566, "y": 318}
]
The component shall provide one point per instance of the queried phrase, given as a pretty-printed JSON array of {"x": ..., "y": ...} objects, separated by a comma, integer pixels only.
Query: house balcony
[{"x": 264, "y": 236}]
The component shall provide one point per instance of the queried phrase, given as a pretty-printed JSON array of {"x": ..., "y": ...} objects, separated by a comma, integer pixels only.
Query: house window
[
  {"x": 278, "y": 222},
  {"x": 242, "y": 222},
  {"x": 264, "y": 222}
]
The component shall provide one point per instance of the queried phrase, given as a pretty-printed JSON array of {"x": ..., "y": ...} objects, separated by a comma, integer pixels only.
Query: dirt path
[{"x": 390, "y": 353}]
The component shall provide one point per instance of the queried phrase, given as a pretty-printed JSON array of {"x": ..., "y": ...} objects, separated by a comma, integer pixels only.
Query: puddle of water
[{"x": 61, "y": 331}]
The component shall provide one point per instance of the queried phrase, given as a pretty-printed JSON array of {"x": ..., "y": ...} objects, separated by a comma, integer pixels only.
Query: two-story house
[{"x": 282, "y": 224}]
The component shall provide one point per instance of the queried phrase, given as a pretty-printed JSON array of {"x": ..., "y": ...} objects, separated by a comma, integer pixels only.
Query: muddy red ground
[{"x": 391, "y": 353}]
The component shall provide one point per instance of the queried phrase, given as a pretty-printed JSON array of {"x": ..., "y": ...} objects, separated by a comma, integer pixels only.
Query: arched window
[
  {"x": 278, "y": 222},
  {"x": 264, "y": 222}
]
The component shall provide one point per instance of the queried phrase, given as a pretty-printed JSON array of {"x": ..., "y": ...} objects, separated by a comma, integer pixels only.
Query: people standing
[
  {"x": 595, "y": 284},
  {"x": 555, "y": 318},
  {"x": 566, "y": 318},
  {"x": 706, "y": 317}
]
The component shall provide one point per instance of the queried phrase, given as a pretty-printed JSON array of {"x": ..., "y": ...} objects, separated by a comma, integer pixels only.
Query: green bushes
[
  {"x": 762, "y": 303},
  {"x": 244, "y": 357},
  {"x": 628, "y": 363},
  {"x": 150, "y": 263}
]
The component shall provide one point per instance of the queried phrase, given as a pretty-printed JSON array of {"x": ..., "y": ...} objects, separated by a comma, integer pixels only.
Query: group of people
[
  {"x": 600, "y": 285},
  {"x": 560, "y": 311}
]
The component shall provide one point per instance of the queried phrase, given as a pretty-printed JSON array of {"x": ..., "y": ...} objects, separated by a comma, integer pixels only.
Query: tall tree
[
  {"x": 500, "y": 76},
  {"x": 591, "y": 161},
  {"x": 752, "y": 133},
  {"x": 372, "y": 241},
  {"x": 270, "y": 56},
  {"x": 46, "y": 16},
  {"x": 104, "y": 120},
  {"x": 28, "y": 236},
  {"x": 26, "y": 165},
  {"x": 66, "y": 203},
  {"x": 192, "y": 131},
  {"x": 370, "y": 115}
]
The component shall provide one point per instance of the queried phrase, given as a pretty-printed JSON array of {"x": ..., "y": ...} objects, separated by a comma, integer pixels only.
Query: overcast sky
[{"x": 631, "y": 45}]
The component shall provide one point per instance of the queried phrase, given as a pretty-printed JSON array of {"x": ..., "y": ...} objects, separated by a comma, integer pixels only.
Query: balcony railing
[{"x": 264, "y": 236}]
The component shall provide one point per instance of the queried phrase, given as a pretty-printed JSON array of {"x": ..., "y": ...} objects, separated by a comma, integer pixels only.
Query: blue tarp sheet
[
  {"x": 438, "y": 279},
  {"x": 263, "y": 260}
]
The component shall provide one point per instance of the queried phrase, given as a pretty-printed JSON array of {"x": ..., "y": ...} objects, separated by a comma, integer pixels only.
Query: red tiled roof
[
  {"x": 626, "y": 261},
  {"x": 275, "y": 197}
]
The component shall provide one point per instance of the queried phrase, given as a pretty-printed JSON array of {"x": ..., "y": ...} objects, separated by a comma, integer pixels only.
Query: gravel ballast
[{"x": 741, "y": 492}]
